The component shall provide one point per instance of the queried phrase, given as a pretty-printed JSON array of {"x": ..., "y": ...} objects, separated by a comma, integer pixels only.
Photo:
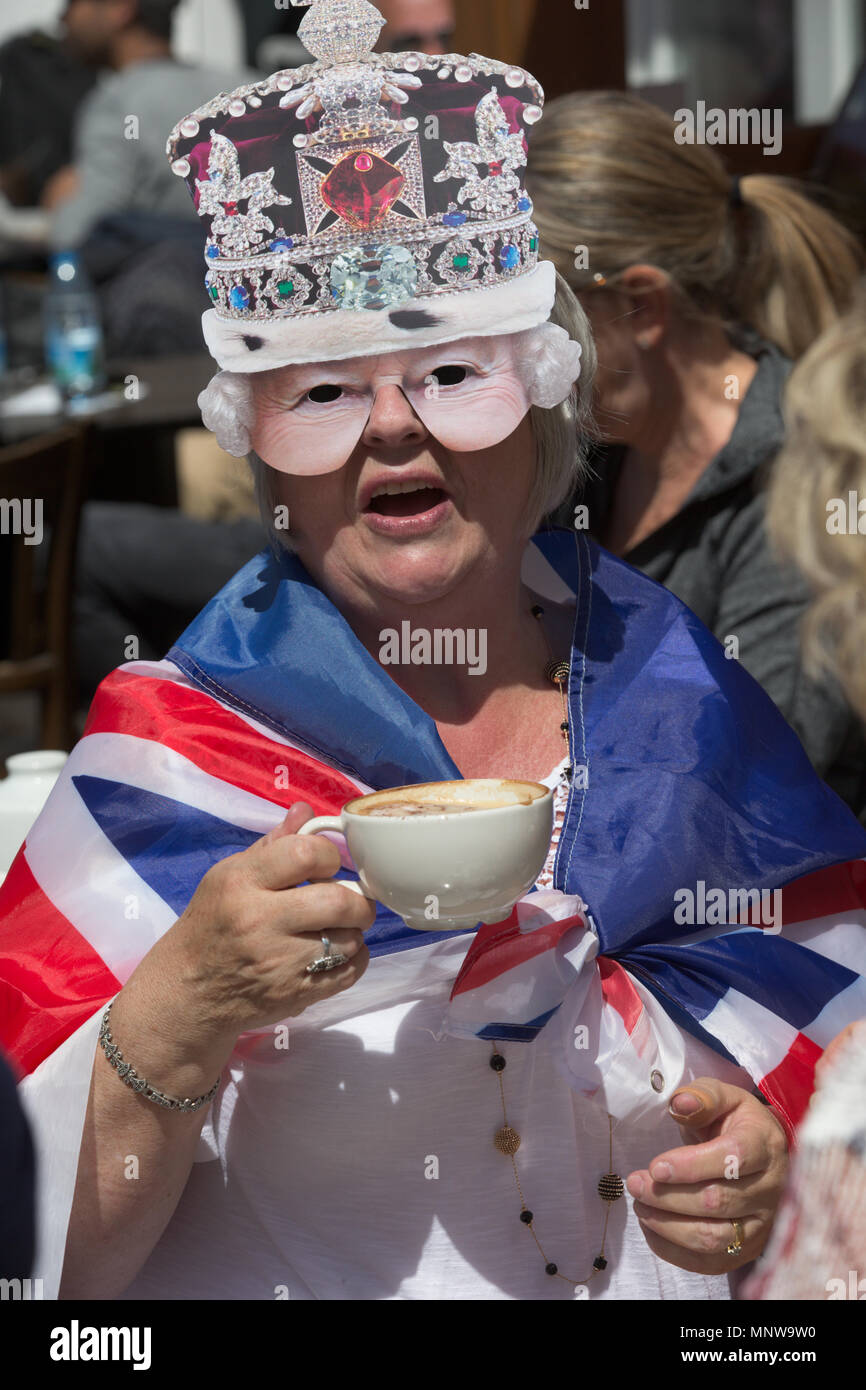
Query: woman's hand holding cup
[{"x": 238, "y": 954}]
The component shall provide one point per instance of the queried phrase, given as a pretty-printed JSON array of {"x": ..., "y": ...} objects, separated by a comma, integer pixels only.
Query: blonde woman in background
[
  {"x": 700, "y": 290},
  {"x": 820, "y": 1236},
  {"x": 811, "y": 518}
]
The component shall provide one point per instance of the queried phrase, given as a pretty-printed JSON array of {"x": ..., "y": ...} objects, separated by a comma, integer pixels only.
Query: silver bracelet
[{"x": 129, "y": 1075}]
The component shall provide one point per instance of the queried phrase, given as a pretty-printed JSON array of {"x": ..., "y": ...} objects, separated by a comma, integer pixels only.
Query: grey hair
[{"x": 562, "y": 433}]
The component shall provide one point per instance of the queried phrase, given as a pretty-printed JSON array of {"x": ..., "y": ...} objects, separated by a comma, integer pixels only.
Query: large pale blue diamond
[{"x": 373, "y": 276}]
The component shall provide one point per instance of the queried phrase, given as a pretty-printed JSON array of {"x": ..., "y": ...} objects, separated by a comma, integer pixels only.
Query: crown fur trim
[{"x": 260, "y": 346}]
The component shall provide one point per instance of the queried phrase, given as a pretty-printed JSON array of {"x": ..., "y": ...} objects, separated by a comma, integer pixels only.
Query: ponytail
[
  {"x": 608, "y": 178},
  {"x": 799, "y": 265}
]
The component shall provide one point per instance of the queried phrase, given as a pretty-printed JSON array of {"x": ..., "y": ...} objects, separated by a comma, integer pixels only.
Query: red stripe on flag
[
  {"x": 51, "y": 979},
  {"x": 619, "y": 991},
  {"x": 829, "y": 892},
  {"x": 789, "y": 1086},
  {"x": 499, "y": 948},
  {"x": 201, "y": 729}
]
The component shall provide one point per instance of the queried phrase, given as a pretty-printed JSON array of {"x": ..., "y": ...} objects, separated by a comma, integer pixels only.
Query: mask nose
[{"x": 393, "y": 423}]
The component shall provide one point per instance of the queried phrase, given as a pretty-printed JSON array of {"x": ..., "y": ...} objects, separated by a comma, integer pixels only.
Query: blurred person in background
[
  {"x": 43, "y": 81},
  {"x": 148, "y": 570},
  {"x": 119, "y": 164},
  {"x": 17, "y": 1182},
  {"x": 422, "y": 26},
  {"x": 418, "y": 26},
  {"x": 116, "y": 202},
  {"x": 700, "y": 290},
  {"x": 817, "y": 518},
  {"x": 811, "y": 516}
]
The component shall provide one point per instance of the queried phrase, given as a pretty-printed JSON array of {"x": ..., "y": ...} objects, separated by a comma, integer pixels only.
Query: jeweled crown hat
[{"x": 366, "y": 202}]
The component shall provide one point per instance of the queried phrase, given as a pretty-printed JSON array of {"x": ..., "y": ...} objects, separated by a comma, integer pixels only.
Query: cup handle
[
  {"x": 334, "y": 824},
  {"x": 320, "y": 823}
]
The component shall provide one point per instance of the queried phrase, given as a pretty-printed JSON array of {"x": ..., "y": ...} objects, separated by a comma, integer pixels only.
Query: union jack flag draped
[{"x": 691, "y": 777}]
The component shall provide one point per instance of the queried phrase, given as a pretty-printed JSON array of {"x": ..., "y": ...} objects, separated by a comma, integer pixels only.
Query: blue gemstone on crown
[
  {"x": 239, "y": 297},
  {"x": 454, "y": 219},
  {"x": 282, "y": 244},
  {"x": 509, "y": 257},
  {"x": 373, "y": 276},
  {"x": 212, "y": 253},
  {"x": 524, "y": 204}
]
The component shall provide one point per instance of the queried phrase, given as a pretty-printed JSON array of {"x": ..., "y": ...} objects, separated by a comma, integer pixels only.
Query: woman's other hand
[
  {"x": 733, "y": 1167},
  {"x": 236, "y": 959}
]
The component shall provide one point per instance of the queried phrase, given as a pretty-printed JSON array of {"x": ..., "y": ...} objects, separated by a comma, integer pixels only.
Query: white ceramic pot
[{"x": 23, "y": 793}]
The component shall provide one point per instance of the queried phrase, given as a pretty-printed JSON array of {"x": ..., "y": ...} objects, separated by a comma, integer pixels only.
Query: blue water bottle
[{"x": 74, "y": 351}]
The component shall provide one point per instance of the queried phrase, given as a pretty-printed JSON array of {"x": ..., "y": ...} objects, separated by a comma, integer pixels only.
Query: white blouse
[{"x": 358, "y": 1162}]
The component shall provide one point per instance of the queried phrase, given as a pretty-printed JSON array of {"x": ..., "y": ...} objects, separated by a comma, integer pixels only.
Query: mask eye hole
[
  {"x": 450, "y": 375},
  {"x": 324, "y": 395}
]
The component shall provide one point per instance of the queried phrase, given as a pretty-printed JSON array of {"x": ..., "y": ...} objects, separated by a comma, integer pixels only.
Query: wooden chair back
[{"x": 42, "y": 486}]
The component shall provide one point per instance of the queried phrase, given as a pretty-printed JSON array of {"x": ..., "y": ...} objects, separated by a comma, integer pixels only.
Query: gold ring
[{"x": 736, "y": 1244}]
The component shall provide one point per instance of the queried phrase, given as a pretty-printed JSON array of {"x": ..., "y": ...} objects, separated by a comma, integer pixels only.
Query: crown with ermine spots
[{"x": 364, "y": 201}]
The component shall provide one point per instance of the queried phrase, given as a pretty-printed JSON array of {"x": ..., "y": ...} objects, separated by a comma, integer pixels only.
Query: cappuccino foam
[
  {"x": 427, "y": 808},
  {"x": 449, "y": 798}
]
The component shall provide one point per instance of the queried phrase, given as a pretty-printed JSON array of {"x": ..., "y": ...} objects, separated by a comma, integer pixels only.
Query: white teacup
[{"x": 447, "y": 854}]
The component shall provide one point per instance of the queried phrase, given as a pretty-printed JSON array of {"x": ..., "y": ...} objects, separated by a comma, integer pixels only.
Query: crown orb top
[{"x": 341, "y": 31}]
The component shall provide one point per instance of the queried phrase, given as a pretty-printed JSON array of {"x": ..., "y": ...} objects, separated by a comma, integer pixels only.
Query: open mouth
[{"x": 405, "y": 499}]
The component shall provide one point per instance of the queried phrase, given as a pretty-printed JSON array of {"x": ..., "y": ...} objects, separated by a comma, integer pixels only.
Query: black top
[
  {"x": 42, "y": 85},
  {"x": 715, "y": 555},
  {"x": 17, "y": 1176}
]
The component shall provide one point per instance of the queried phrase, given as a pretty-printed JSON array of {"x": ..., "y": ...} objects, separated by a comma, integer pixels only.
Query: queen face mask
[{"x": 469, "y": 395}]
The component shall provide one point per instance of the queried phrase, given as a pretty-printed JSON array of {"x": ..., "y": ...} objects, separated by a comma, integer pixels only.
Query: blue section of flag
[
  {"x": 517, "y": 1032},
  {"x": 752, "y": 961},
  {"x": 274, "y": 645},
  {"x": 170, "y": 845},
  {"x": 692, "y": 772}
]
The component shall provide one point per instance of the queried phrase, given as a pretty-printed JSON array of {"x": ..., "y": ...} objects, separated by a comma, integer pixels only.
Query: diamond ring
[
  {"x": 736, "y": 1244},
  {"x": 329, "y": 961}
]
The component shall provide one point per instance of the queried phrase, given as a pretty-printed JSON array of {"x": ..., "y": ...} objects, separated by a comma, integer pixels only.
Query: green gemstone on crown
[
  {"x": 285, "y": 288},
  {"x": 461, "y": 262}
]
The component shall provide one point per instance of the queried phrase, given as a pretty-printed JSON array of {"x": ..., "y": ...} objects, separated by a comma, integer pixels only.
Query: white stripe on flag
[
  {"x": 748, "y": 1030},
  {"x": 840, "y": 937},
  {"x": 527, "y": 990},
  {"x": 92, "y": 884},
  {"x": 845, "y": 1008},
  {"x": 140, "y": 762}
]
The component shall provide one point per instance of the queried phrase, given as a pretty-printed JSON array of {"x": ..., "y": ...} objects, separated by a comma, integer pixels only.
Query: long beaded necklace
[
  {"x": 558, "y": 672},
  {"x": 506, "y": 1139},
  {"x": 610, "y": 1184}
]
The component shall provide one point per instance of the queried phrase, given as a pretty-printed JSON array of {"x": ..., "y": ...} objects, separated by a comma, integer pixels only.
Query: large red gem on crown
[{"x": 363, "y": 188}]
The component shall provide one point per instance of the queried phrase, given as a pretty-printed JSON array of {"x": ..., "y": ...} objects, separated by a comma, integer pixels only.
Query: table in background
[{"x": 132, "y": 456}]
